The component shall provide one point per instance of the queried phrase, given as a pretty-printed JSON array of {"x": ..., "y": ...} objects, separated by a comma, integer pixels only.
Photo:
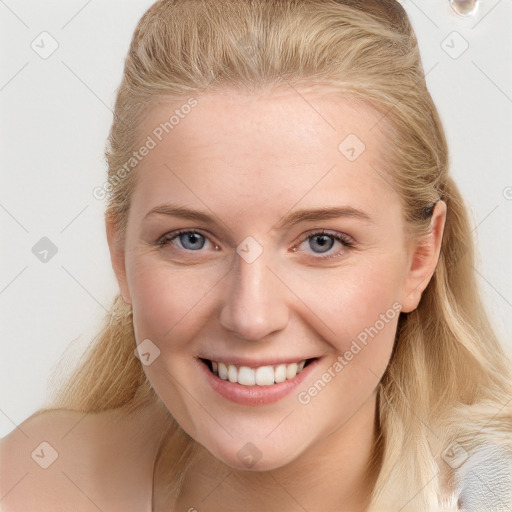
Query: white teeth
[
  {"x": 280, "y": 373},
  {"x": 246, "y": 376},
  {"x": 264, "y": 376},
  {"x": 291, "y": 370},
  {"x": 261, "y": 376},
  {"x": 223, "y": 371},
  {"x": 232, "y": 373}
]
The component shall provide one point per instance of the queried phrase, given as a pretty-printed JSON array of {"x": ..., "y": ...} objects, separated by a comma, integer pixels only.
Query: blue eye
[
  {"x": 324, "y": 242},
  {"x": 193, "y": 240},
  {"x": 188, "y": 240},
  {"x": 321, "y": 242}
]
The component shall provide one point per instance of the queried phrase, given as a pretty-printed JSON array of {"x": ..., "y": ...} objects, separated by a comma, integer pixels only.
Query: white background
[{"x": 56, "y": 113}]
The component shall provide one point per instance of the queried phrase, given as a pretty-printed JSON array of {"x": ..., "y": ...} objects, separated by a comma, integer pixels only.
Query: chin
[{"x": 251, "y": 457}]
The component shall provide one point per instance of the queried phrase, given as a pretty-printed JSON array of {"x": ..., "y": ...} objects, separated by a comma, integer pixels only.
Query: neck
[{"x": 337, "y": 473}]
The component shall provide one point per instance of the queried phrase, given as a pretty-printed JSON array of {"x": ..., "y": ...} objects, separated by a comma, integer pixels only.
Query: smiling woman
[{"x": 296, "y": 282}]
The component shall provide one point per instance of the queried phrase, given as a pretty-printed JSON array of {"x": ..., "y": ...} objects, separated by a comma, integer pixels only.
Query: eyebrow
[{"x": 293, "y": 218}]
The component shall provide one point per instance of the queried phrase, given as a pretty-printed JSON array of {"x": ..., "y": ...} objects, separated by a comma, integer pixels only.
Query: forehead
[{"x": 261, "y": 148}]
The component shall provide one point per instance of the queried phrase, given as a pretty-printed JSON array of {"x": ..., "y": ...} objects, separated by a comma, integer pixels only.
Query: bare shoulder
[{"x": 68, "y": 460}]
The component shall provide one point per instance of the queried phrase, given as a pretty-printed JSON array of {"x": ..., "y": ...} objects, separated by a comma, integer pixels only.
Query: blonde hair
[{"x": 448, "y": 379}]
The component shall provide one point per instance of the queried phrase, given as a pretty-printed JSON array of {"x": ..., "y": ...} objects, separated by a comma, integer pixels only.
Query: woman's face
[{"x": 256, "y": 285}]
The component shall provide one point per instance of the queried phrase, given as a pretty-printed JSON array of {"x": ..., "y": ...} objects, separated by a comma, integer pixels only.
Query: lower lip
[{"x": 256, "y": 395}]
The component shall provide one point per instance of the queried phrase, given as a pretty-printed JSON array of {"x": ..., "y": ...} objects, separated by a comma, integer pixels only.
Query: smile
[
  {"x": 259, "y": 376},
  {"x": 255, "y": 383}
]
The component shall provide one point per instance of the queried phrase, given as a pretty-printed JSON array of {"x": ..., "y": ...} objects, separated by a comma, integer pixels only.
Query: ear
[
  {"x": 117, "y": 256},
  {"x": 423, "y": 259}
]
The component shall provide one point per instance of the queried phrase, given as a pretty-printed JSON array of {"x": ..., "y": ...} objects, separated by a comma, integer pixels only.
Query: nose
[{"x": 256, "y": 300}]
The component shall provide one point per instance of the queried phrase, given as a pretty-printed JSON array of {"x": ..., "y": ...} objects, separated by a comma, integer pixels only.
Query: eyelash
[{"x": 346, "y": 241}]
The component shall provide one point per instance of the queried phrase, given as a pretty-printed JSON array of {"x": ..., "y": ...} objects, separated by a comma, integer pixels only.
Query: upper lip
[{"x": 251, "y": 363}]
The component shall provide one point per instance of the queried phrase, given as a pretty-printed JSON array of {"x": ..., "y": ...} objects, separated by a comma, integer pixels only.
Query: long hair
[{"x": 448, "y": 379}]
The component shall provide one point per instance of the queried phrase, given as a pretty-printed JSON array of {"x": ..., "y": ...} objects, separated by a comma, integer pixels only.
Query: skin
[
  {"x": 218, "y": 302},
  {"x": 94, "y": 468},
  {"x": 248, "y": 161}
]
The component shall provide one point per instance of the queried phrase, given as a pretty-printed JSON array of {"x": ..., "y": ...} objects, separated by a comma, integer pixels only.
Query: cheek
[
  {"x": 359, "y": 314},
  {"x": 167, "y": 301},
  {"x": 371, "y": 309},
  {"x": 352, "y": 300}
]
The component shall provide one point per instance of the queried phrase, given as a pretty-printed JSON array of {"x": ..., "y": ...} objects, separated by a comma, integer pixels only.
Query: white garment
[{"x": 484, "y": 482}]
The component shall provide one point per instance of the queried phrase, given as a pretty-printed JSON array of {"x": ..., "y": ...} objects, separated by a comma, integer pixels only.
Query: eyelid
[
  {"x": 167, "y": 238},
  {"x": 345, "y": 240},
  {"x": 328, "y": 232}
]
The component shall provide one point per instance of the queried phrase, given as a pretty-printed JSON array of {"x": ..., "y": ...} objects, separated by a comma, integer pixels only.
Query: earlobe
[
  {"x": 423, "y": 259},
  {"x": 117, "y": 256}
]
